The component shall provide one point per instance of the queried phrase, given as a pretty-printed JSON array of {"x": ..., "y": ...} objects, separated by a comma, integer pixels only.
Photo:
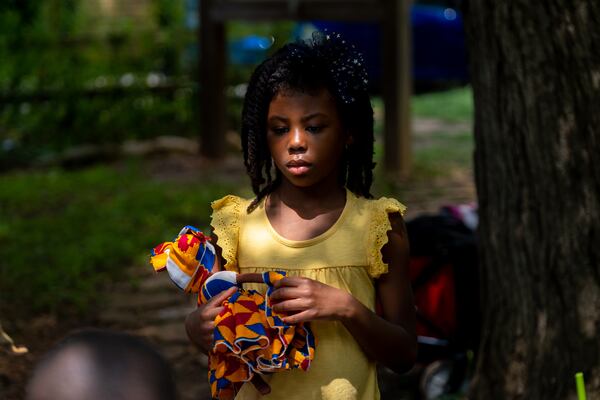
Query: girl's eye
[
  {"x": 279, "y": 130},
  {"x": 314, "y": 129}
]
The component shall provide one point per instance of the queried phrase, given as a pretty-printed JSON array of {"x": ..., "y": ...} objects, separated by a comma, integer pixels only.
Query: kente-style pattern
[
  {"x": 249, "y": 337},
  {"x": 189, "y": 259}
]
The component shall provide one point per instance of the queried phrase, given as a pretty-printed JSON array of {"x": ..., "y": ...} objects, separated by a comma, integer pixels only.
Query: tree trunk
[{"x": 536, "y": 80}]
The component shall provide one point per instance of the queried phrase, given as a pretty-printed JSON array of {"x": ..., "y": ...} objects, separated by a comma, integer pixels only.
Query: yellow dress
[{"x": 346, "y": 256}]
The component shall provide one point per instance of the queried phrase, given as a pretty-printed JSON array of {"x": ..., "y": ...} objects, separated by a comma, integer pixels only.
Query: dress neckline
[{"x": 312, "y": 241}]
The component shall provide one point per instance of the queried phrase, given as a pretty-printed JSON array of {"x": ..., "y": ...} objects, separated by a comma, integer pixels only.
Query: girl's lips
[
  {"x": 298, "y": 170},
  {"x": 298, "y": 167}
]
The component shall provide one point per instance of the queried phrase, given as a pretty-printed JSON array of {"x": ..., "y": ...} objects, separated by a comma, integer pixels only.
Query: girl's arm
[{"x": 390, "y": 338}]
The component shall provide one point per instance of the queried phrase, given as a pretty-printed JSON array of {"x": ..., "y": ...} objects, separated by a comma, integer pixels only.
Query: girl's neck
[
  {"x": 321, "y": 197},
  {"x": 303, "y": 213}
]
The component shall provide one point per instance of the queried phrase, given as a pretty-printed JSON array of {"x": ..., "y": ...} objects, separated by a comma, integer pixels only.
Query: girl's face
[{"x": 305, "y": 137}]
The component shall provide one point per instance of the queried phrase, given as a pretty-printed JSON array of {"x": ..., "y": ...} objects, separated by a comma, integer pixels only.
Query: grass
[
  {"x": 435, "y": 153},
  {"x": 455, "y": 105},
  {"x": 66, "y": 233},
  {"x": 443, "y": 152}
]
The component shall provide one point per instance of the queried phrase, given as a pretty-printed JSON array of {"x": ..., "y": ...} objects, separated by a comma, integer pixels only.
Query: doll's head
[
  {"x": 190, "y": 260},
  {"x": 326, "y": 62}
]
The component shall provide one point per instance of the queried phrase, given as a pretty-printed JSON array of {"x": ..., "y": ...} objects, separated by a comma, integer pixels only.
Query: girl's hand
[
  {"x": 306, "y": 300},
  {"x": 200, "y": 325}
]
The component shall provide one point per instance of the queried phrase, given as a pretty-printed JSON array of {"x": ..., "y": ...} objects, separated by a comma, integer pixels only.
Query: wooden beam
[
  {"x": 397, "y": 88},
  {"x": 212, "y": 53},
  {"x": 265, "y": 10}
]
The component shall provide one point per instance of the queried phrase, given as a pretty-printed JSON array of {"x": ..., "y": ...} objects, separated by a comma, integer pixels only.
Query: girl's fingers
[
  {"x": 288, "y": 281},
  {"x": 211, "y": 313},
  {"x": 221, "y": 297},
  {"x": 278, "y": 294},
  {"x": 285, "y": 293},
  {"x": 297, "y": 318},
  {"x": 290, "y": 305},
  {"x": 207, "y": 341}
]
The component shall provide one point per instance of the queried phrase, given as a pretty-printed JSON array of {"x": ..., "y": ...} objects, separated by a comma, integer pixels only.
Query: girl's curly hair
[{"x": 324, "y": 62}]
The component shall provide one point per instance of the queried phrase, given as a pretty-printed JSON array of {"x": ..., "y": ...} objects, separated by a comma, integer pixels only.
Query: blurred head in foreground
[{"x": 97, "y": 364}]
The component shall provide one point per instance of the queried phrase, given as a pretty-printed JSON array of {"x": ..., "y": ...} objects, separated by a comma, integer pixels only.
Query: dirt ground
[{"x": 159, "y": 308}]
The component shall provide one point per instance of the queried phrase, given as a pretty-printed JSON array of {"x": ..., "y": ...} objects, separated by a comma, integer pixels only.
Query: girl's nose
[{"x": 297, "y": 141}]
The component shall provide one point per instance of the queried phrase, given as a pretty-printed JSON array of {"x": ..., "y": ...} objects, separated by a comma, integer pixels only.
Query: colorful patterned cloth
[
  {"x": 189, "y": 259},
  {"x": 249, "y": 337}
]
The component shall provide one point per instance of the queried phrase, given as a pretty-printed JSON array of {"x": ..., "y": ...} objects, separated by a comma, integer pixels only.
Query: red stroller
[{"x": 444, "y": 274}]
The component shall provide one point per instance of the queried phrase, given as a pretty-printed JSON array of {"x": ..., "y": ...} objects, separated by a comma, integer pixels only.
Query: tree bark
[{"x": 535, "y": 69}]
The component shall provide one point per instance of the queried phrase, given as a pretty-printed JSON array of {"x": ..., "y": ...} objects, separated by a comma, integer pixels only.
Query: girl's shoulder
[
  {"x": 229, "y": 202},
  {"x": 379, "y": 214},
  {"x": 225, "y": 222},
  {"x": 382, "y": 205},
  {"x": 228, "y": 211},
  {"x": 230, "y": 206}
]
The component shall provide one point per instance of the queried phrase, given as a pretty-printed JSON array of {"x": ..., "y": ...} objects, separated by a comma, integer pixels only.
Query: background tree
[{"x": 536, "y": 81}]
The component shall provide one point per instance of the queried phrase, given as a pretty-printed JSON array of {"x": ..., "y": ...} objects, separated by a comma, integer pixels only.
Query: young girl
[{"x": 307, "y": 137}]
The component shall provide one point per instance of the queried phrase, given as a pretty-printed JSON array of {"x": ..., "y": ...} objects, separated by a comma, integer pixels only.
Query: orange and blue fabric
[
  {"x": 189, "y": 259},
  {"x": 249, "y": 337}
]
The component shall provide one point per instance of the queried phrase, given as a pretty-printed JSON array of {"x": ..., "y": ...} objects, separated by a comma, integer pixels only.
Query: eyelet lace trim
[
  {"x": 226, "y": 225},
  {"x": 380, "y": 225}
]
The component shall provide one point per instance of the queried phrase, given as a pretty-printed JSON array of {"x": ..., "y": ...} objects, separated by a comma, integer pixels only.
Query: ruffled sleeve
[
  {"x": 226, "y": 225},
  {"x": 380, "y": 225}
]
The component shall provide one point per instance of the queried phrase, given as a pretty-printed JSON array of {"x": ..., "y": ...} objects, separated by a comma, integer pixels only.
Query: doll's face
[{"x": 305, "y": 137}]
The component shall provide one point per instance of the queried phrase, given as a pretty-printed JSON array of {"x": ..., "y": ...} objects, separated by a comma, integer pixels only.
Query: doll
[{"x": 263, "y": 343}]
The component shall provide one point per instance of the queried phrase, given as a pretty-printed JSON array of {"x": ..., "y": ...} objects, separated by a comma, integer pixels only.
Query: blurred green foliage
[
  {"x": 69, "y": 76},
  {"x": 59, "y": 75},
  {"x": 65, "y": 234}
]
